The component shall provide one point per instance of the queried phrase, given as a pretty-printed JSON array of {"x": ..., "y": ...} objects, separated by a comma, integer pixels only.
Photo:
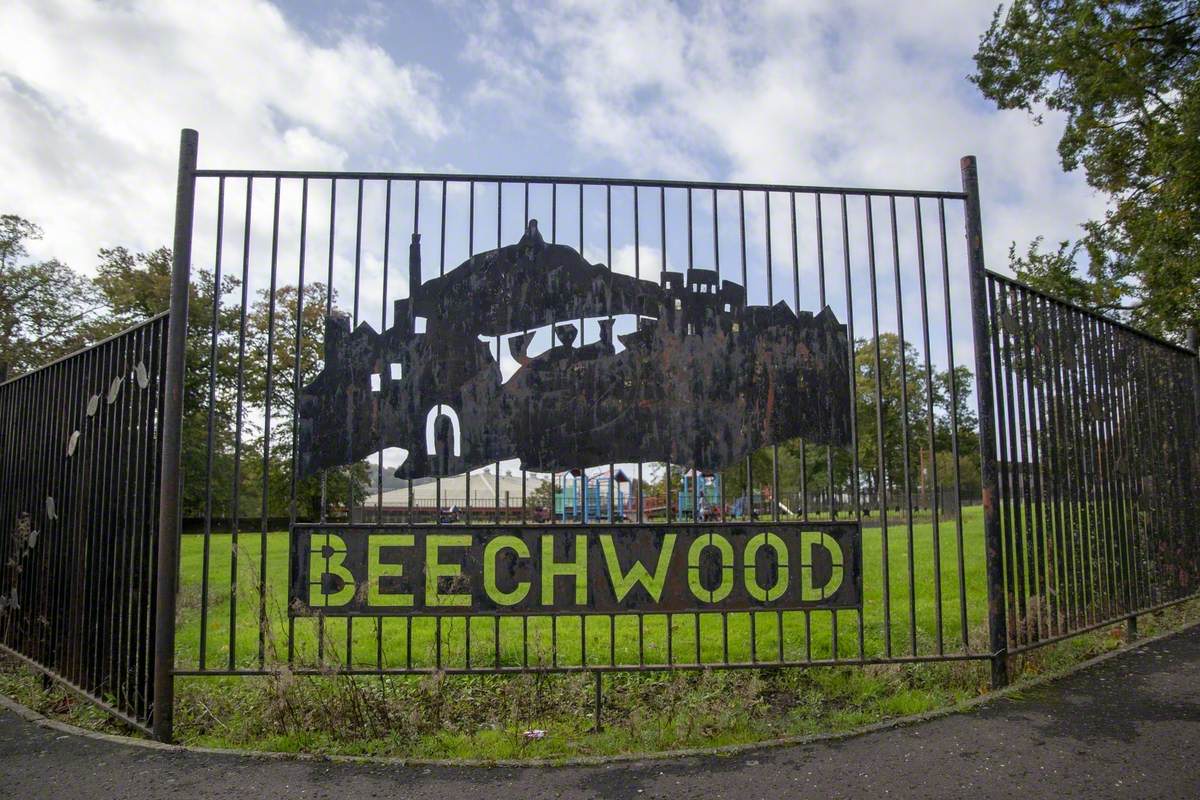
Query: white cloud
[
  {"x": 92, "y": 97},
  {"x": 867, "y": 92}
]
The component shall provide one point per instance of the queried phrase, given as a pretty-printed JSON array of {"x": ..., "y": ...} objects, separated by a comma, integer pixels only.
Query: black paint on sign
[
  {"x": 344, "y": 570},
  {"x": 702, "y": 380}
]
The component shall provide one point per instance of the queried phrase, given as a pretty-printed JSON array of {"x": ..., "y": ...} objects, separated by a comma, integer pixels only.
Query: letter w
[{"x": 624, "y": 581}]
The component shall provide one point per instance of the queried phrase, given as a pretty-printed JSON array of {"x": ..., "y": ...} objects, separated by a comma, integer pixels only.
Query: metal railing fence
[
  {"x": 79, "y": 451},
  {"x": 160, "y": 544},
  {"x": 1098, "y": 436}
]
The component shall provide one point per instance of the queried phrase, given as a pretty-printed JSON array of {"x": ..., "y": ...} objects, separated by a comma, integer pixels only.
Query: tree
[
  {"x": 542, "y": 497},
  {"x": 45, "y": 306},
  {"x": 1127, "y": 75},
  {"x": 884, "y": 389},
  {"x": 136, "y": 286},
  {"x": 274, "y": 351}
]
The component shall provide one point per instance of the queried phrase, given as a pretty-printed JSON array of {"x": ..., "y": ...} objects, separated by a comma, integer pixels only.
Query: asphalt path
[{"x": 1128, "y": 727}]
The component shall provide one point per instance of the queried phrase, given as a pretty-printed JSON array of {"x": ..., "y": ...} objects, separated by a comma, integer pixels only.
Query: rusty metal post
[
  {"x": 997, "y": 622},
  {"x": 599, "y": 702},
  {"x": 168, "y": 501},
  {"x": 1193, "y": 343}
]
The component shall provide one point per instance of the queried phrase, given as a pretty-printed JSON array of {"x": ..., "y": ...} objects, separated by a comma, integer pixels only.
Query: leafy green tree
[
  {"x": 1127, "y": 75},
  {"x": 136, "y": 286},
  {"x": 271, "y": 341},
  {"x": 826, "y": 468},
  {"x": 45, "y": 307}
]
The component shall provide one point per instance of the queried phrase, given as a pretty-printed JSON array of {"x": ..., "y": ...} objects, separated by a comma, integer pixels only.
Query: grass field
[
  {"x": 484, "y": 716},
  {"x": 373, "y": 643}
]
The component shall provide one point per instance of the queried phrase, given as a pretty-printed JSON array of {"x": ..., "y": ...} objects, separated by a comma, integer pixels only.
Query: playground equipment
[
  {"x": 741, "y": 508},
  {"x": 579, "y": 497},
  {"x": 707, "y": 501}
]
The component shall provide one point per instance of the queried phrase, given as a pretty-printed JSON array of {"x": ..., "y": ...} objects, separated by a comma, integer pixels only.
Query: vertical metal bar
[
  {"x": 934, "y": 493},
  {"x": 1052, "y": 491},
  {"x": 852, "y": 347},
  {"x": 1073, "y": 394},
  {"x": 1019, "y": 481},
  {"x": 662, "y": 221},
  {"x": 1113, "y": 450},
  {"x": 1097, "y": 414},
  {"x": 437, "y": 481},
  {"x": 1118, "y": 384},
  {"x": 1119, "y": 424},
  {"x": 122, "y": 530},
  {"x": 1010, "y": 475},
  {"x": 212, "y": 402},
  {"x": 1138, "y": 469},
  {"x": 881, "y": 463},
  {"x": 470, "y": 254},
  {"x": 499, "y": 234},
  {"x": 267, "y": 397},
  {"x": 1095, "y": 530},
  {"x": 771, "y": 302},
  {"x": 385, "y": 380},
  {"x": 749, "y": 507},
  {"x": 608, "y": 311},
  {"x": 1031, "y": 397},
  {"x": 997, "y": 627},
  {"x": 1147, "y": 505},
  {"x": 803, "y": 504},
  {"x": 823, "y": 302},
  {"x": 296, "y": 384},
  {"x": 168, "y": 506},
  {"x": 235, "y": 511},
  {"x": 1192, "y": 344},
  {"x": 358, "y": 215},
  {"x": 637, "y": 273},
  {"x": 1066, "y": 487},
  {"x": 324, "y": 510},
  {"x": 902, "y": 350},
  {"x": 958, "y": 516}
]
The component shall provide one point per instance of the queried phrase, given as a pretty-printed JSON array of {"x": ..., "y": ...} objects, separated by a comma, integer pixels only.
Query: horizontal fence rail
[
  {"x": 1098, "y": 441},
  {"x": 276, "y": 253},
  {"x": 79, "y": 452}
]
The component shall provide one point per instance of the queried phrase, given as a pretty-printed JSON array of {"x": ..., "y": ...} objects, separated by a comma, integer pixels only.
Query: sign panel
[
  {"x": 373, "y": 570},
  {"x": 529, "y": 351}
]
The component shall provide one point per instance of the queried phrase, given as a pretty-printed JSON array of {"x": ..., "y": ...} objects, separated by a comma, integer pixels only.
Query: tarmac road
[{"x": 1129, "y": 727}]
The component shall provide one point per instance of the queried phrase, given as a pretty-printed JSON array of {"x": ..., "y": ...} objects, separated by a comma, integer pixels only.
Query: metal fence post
[
  {"x": 168, "y": 503},
  {"x": 1193, "y": 343},
  {"x": 997, "y": 622}
]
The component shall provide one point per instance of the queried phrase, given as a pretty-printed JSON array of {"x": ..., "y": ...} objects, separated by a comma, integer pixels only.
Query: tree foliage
[
  {"x": 883, "y": 391},
  {"x": 46, "y": 309},
  {"x": 1127, "y": 76},
  {"x": 229, "y": 439}
]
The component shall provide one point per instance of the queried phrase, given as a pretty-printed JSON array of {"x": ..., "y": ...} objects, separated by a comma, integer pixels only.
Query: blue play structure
[
  {"x": 707, "y": 502},
  {"x": 585, "y": 498},
  {"x": 741, "y": 508}
]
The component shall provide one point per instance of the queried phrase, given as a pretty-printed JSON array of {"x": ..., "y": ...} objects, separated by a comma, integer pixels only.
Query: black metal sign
[
  {"x": 703, "y": 379},
  {"x": 398, "y": 570}
]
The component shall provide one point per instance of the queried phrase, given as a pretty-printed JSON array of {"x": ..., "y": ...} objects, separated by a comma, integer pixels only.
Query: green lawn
[
  {"x": 486, "y": 716},
  {"x": 372, "y": 642}
]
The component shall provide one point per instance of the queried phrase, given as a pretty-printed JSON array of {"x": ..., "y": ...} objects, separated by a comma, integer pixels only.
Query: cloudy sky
[{"x": 844, "y": 92}]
